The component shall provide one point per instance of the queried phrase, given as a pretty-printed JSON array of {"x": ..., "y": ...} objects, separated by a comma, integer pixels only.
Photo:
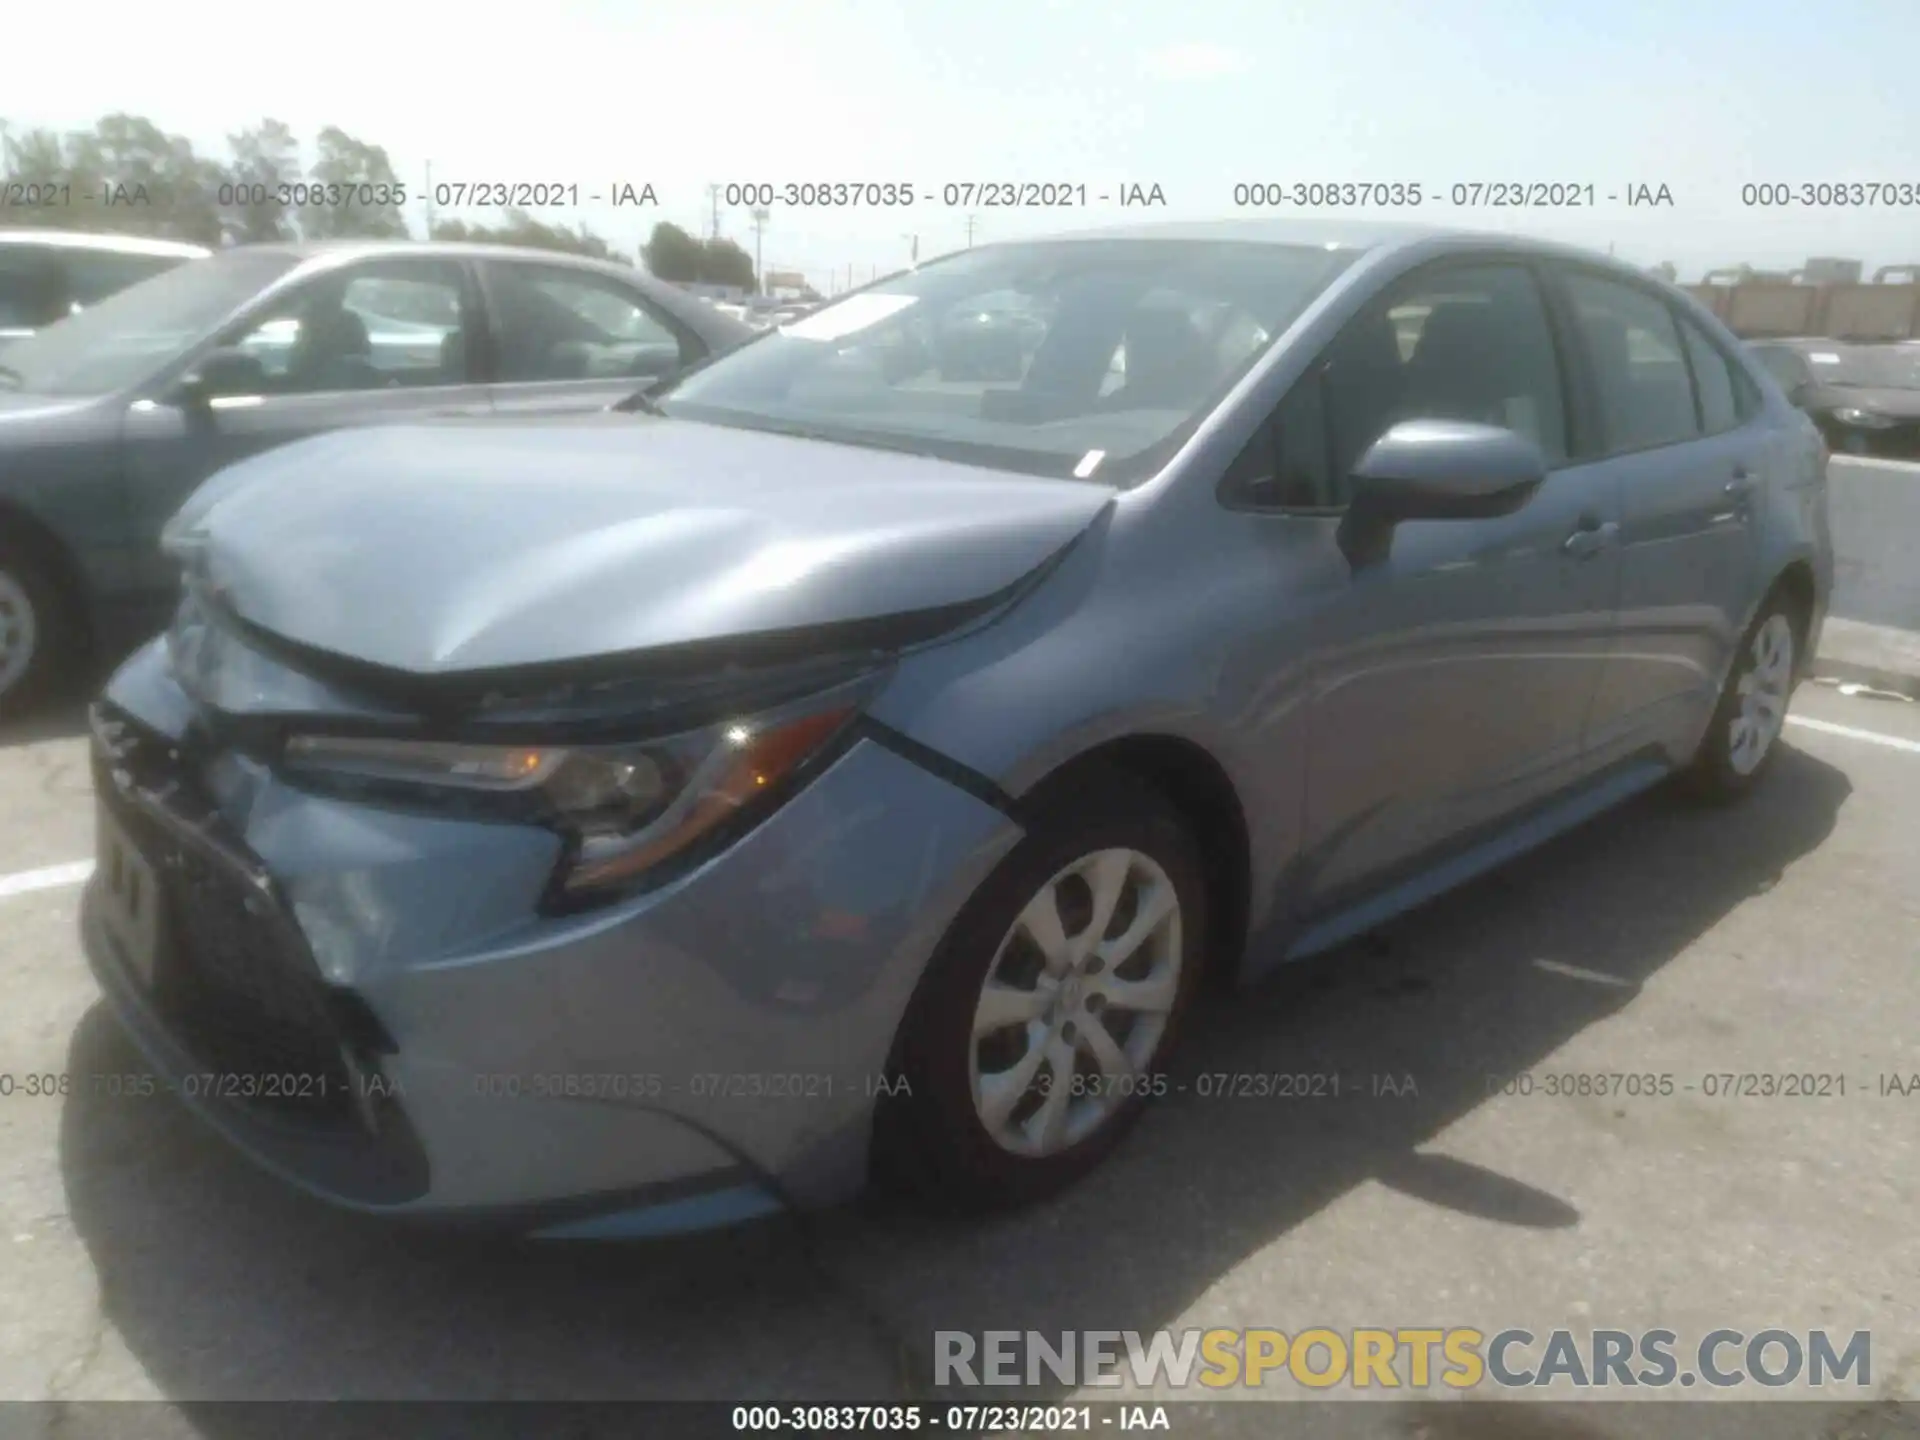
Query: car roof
[
  {"x": 1333, "y": 234},
  {"x": 90, "y": 240},
  {"x": 307, "y": 251},
  {"x": 1357, "y": 236}
]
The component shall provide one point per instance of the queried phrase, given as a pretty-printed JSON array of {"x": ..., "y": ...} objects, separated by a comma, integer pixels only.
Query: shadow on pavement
[{"x": 225, "y": 1285}]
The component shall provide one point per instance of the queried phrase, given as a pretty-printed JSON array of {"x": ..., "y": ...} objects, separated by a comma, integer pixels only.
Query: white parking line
[
  {"x": 52, "y": 877},
  {"x": 1872, "y": 737}
]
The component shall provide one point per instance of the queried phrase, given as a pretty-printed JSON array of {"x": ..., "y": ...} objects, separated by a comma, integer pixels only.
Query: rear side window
[
  {"x": 94, "y": 275},
  {"x": 1639, "y": 368},
  {"x": 1713, "y": 381},
  {"x": 558, "y": 323}
]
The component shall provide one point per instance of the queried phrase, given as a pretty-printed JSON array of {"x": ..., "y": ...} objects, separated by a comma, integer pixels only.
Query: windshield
[
  {"x": 1092, "y": 359},
  {"x": 127, "y": 336},
  {"x": 1872, "y": 367}
]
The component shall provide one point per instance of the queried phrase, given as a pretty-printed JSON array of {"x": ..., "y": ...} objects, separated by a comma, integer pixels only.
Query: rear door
[
  {"x": 372, "y": 342},
  {"x": 1676, "y": 414},
  {"x": 566, "y": 338}
]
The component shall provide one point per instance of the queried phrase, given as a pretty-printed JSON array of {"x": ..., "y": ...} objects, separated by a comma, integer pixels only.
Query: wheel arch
[
  {"x": 1794, "y": 583},
  {"x": 1198, "y": 786}
]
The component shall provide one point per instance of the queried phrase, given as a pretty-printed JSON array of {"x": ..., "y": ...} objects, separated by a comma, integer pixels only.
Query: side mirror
[
  {"x": 221, "y": 373},
  {"x": 1436, "y": 470},
  {"x": 1800, "y": 394}
]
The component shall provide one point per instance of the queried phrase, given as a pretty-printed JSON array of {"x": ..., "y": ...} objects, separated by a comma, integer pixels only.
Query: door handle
[{"x": 1589, "y": 540}]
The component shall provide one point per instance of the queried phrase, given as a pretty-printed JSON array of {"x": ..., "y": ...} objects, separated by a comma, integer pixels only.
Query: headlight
[
  {"x": 625, "y": 809},
  {"x": 1865, "y": 419}
]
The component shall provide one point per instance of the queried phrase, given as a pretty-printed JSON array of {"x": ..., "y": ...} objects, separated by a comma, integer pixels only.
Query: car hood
[{"x": 452, "y": 549}]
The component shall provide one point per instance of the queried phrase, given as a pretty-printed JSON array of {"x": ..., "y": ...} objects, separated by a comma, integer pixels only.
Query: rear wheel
[
  {"x": 1039, "y": 1033},
  {"x": 1746, "y": 726},
  {"x": 36, "y": 640}
]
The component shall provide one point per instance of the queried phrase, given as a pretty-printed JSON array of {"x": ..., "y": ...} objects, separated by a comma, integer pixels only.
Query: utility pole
[
  {"x": 713, "y": 191},
  {"x": 429, "y": 199},
  {"x": 970, "y": 220},
  {"x": 914, "y": 252},
  {"x": 760, "y": 217}
]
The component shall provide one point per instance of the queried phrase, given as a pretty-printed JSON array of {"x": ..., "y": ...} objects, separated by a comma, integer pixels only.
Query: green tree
[
  {"x": 37, "y": 157},
  {"x": 672, "y": 254},
  {"x": 264, "y": 158},
  {"x": 346, "y": 161},
  {"x": 145, "y": 181},
  {"x": 520, "y": 228},
  {"x": 725, "y": 263}
]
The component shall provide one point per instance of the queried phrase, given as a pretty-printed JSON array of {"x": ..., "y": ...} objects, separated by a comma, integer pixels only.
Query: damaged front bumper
[{"x": 372, "y": 1003}]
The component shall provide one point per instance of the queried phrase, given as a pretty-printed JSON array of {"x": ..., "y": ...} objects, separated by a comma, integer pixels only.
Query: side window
[
  {"x": 564, "y": 324},
  {"x": 33, "y": 289},
  {"x": 94, "y": 275},
  {"x": 1646, "y": 396},
  {"x": 1712, "y": 381},
  {"x": 1465, "y": 342},
  {"x": 1286, "y": 463},
  {"x": 385, "y": 325}
]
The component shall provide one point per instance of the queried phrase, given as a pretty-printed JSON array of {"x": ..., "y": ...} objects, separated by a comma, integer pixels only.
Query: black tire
[
  {"x": 930, "y": 1141},
  {"x": 24, "y": 580},
  {"x": 1719, "y": 774}
]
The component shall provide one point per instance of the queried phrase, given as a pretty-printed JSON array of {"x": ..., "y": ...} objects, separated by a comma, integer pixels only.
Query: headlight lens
[
  {"x": 625, "y": 808},
  {"x": 1866, "y": 419}
]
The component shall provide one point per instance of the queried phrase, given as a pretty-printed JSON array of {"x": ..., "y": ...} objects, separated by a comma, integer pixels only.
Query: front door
[
  {"x": 373, "y": 342},
  {"x": 1450, "y": 679}
]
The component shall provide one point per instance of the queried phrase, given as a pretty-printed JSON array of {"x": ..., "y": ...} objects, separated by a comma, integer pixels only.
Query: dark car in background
[
  {"x": 111, "y": 418},
  {"x": 47, "y": 275},
  {"x": 1864, "y": 398}
]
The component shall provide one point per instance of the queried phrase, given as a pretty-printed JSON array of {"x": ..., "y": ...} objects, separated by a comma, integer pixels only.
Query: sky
[{"x": 1194, "y": 97}]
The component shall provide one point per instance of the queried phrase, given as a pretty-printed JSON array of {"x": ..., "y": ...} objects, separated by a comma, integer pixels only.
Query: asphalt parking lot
[{"x": 145, "y": 1261}]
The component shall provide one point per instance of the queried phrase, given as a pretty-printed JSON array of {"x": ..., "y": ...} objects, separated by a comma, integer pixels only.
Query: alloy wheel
[
  {"x": 1076, "y": 1002},
  {"x": 1766, "y": 680}
]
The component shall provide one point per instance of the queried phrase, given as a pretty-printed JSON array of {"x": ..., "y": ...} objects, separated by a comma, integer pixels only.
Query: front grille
[
  {"x": 244, "y": 1001},
  {"x": 234, "y": 980}
]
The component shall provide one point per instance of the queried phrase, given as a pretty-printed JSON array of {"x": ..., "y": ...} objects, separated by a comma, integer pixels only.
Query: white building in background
[{"x": 733, "y": 293}]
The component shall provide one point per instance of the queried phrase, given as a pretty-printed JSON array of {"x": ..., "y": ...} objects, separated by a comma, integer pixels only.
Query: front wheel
[
  {"x": 1040, "y": 1030},
  {"x": 1746, "y": 725}
]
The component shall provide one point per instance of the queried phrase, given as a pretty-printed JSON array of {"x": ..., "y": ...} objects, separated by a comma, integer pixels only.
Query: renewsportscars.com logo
[{"x": 1415, "y": 1359}]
